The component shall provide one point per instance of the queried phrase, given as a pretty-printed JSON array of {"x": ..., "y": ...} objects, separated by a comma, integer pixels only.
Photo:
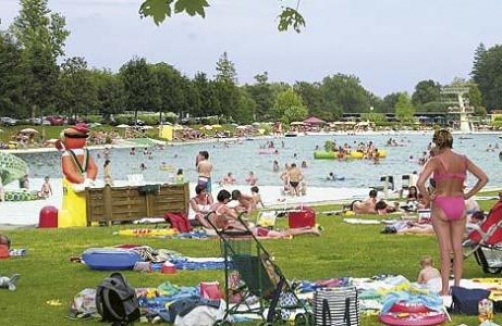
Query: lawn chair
[{"x": 485, "y": 241}]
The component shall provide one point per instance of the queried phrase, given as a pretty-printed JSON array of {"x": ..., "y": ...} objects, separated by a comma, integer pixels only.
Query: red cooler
[
  {"x": 48, "y": 217},
  {"x": 301, "y": 217}
]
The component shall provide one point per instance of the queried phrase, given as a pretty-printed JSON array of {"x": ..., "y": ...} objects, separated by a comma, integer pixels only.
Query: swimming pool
[{"x": 243, "y": 156}]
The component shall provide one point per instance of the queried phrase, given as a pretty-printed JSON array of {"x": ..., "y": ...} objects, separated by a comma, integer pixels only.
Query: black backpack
[{"x": 116, "y": 301}]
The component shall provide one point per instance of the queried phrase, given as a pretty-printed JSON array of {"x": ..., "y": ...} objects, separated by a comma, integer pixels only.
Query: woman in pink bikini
[{"x": 449, "y": 170}]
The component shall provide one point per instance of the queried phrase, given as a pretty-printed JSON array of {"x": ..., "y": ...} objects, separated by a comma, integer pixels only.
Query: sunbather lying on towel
[{"x": 367, "y": 206}]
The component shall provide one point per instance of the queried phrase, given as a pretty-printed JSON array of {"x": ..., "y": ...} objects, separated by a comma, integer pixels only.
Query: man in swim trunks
[
  {"x": 295, "y": 176},
  {"x": 204, "y": 169},
  {"x": 448, "y": 210}
]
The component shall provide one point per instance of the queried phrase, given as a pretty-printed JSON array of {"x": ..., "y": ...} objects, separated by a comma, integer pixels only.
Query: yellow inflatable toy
[
  {"x": 79, "y": 172},
  {"x": 322, "y": 155}
]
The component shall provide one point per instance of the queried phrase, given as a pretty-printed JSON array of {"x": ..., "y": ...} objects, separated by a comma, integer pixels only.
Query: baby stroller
[
  {"x": 264, "y": 285},
  {"x": 485, "y": 241}
]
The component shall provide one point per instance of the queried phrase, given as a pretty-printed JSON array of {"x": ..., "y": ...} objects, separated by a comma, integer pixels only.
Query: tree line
[{"x": 36, "y": 79}]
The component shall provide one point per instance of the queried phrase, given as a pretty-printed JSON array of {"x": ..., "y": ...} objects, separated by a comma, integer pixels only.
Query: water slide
[{"x": 11, "y": 167}]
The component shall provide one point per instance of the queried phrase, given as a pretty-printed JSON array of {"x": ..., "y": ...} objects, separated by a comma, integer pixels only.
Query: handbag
[
  {"x": 336, "y": 307},
  {"x": 465, "y": 301}
]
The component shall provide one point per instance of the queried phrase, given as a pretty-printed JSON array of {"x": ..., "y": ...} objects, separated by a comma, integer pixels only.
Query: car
[
  {"x": 56, "y": 120},
  {"x": 8, "y": 121},
  {"x": 37, "y": 121}
]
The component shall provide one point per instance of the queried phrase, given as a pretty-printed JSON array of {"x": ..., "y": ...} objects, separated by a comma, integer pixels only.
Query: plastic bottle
[{"x": 485, "y": 310}]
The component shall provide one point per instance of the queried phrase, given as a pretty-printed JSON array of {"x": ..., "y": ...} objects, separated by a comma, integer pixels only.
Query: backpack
[
  {"x": 116, "y": 301},
  {"x": 179, "y": 221}
]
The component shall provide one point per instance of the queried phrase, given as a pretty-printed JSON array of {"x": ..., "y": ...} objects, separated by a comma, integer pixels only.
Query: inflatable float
[
  {"x": 11, "y": 168},
  {"x": 21, "y": 195},
  {"x": 413, "y": 319},
  {"x": 110, "y": 259},
  {"x": 322, "y": 155}
]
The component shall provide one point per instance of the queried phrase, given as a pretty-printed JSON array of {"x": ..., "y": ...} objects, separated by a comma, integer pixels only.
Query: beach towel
[{"x": 361, "y": 221}]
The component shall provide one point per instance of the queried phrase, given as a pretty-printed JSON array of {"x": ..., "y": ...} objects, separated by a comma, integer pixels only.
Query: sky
[{"x": 390, "y": 45}]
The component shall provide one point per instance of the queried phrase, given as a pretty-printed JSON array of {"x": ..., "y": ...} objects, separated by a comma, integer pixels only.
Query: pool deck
[{"x": 22, "y": 214}]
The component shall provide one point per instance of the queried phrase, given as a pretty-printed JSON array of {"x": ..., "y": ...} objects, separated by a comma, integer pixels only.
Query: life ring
[{"x": 408, "y": 319}]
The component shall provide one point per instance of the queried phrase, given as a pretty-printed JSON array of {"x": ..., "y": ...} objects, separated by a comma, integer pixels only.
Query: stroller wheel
[
  {"x": 492, "y": 270},
  {"x": 302, "y": 320},
  {"x": 222, "y": 323}
]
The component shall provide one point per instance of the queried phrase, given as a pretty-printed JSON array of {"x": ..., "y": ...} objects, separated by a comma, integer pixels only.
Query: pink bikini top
[{"x": 447, "y": 175}]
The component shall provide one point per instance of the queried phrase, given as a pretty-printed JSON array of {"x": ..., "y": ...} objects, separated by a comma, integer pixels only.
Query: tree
[
  {"x": 426, "y": 91},
  {"x": 42, "y": 36},
  {"x": 169, "y": 88},
  {"x": 389, "y": 102},
  {"x": 312, "y": 97},
  {"x": 475, "y": 99},
  {"x": 208, "y": 96},
  {"x": 343, "y": 93},
  {"x": 159, "y": 10},
  {"x": 225, "y": 70},
  {"x": 262, "y": 94},
  {"x": 487, "y": 74},
  {"x": 477, "y": 64},
  {"x": 288, "y": 107},
  {"x": 137, "y": 80},
  {"x": 11, "y": 76},
  {"x": 77, "y": 92},
  {"x": 226, "y": 79},
  {"x": 246, "y": 108},
  {"x": 404, "y": 108},
  {"x": 110, "y": 92}
]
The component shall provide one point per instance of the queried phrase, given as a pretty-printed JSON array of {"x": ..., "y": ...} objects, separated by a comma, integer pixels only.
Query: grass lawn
[{"x": 342, "y": 250}]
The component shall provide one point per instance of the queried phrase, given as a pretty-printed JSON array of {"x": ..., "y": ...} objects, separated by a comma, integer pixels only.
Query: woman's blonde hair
[{"x": 442, "y": 138}]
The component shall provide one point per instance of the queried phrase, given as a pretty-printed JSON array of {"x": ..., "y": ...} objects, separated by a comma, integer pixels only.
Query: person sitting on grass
[
  {"x": 246, "y": 202},
  {"x": 257, "y": 197},
  {"x": 200, "y": 205},
  {"x": 429, "y": 275},
  {"x": 226, "y": 219}
]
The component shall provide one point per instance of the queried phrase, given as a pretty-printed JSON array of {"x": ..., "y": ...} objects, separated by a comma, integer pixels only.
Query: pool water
[{"x": 241, "y": 157}]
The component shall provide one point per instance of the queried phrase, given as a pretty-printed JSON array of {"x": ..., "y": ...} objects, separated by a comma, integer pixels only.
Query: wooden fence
[{"x": 118, "y": 204}]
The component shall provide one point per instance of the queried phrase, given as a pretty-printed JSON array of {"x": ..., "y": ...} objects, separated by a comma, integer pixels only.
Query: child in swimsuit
[{"x": 429, "y": 275}]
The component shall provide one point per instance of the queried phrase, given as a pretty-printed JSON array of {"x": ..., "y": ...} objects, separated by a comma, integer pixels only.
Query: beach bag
[
  {"x": 336, "y": 307},
  {"x": 116, "y": 301},
  {"x": 179, "y": 221},
  {"x": 465, "y": 301}
]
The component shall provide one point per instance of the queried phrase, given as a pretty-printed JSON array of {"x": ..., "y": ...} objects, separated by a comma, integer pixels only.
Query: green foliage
[
  {"x": 343, "y": 93},
  {"x": 159, "y": 10},
  {"x": 42, "y": 36},
  {"x": 77, "y": 93},
  {"x": 261, "y": 92},
  {"x": 311, "y": 94},
  {"x": 288, "y": 107},
  {"x": 329, "y": 146},
  {"x": 487, "y": 74},
  {"x": 290, "y": 17},
  {"x": 426, "y": 91},
  {"x": 432, "y": 107},
  {"x": 246, "y": 108},
  {"x": 404, "y": 108},
  {"x": 225, "y": 70},
  {"x": 12, "y": 76}
]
